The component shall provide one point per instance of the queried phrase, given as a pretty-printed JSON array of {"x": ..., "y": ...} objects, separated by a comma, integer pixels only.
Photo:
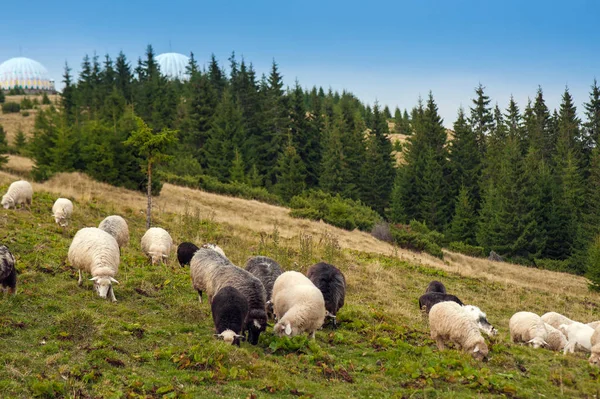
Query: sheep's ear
[
  {"x": 219, "y": 336},
  {"x": 288, "y": 328},
  {"x": 165, "y": 256},
  {"x": 240, "y": 337},
  {"x": 114, "y": 280},
  {"x": 476, "y": 349},
  {"x": 94, "y": 278},
  {"x": 269, "y": 303},
  {"x": 256, "y": 324}
]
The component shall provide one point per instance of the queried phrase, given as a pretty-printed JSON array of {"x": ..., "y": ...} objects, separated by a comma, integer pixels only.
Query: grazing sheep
[
  {"x": 427, "y": 301},
  {"x": 266, "y": 270},
  {"x": 298, "y": 304},
  {"x": 556, "y": 319},
  {"x": 96, "y": 252},
  {"x": 330, "y": 280},
  {"x": 594, "y": 324},
  {"x": 229, "y": 310},
  {"x": 529, "y": 328},
  {"x": 211, "y": 271},
  {"x": 19, "y": 193},
  {"x": 8, "y": 272},
  {"x": 62, "y": 211},
  {"x": 117, "y": 227},
  {"x": 595, "y": 341},
  {"x": 556, "y": 340},
  {"x": 578, "y": 335},
  {"x": 480, "y": 318},
  {"x": 436, "y": 286},
  {"x": 185, "y": 252},
  {"x": 448, "y": 322},
  {"x": 156, "y": 244}
]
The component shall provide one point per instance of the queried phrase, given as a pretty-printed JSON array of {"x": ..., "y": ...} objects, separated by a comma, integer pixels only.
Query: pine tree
[
  {"x": 68, "y": 96},
  {"x": 196, "y": 127},
  {"x": 334, "y": 169},
  {"x": 254, "y": 177},
  {"x": 593, "y": 265},
  {"x": 305, "y": 138},
  {"x": 3, "y": 147},
  {"x": 352, "y": 137},
  {"x": 464, "y": 222},
  {"x": 20, "y": 142},
  {"x": 291, "y": 174},
  {"x": 433, "y": 207},
  {"x": 592, "y": 113},
  {"x": 386, "y": 112},
  {"x": 539, "y": 131},
  {"x": 481, "y": 119},
  {"x": 2, "y": 97},
  {"x": 237, "y": 173},
  {"x": 569, "y": 135},
  {"x": 123, "y": 77},
  {"x": 216, "y": 76}
]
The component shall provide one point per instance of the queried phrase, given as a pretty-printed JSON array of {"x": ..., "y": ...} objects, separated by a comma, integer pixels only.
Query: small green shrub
[
  {"x": 26, "y": 103},
  {"x": 11, "y": 107},
  {"x": 593, "y": 265},
  {"x": 25, "y": 113},
  {"x": 466, "y": 249},
  {"x": 550, "y": 264},
  {"x": 341, "y": 212},
  {"x": 2, "y": 96},
  {"x": 417, "y": 237},
  {"x": 46, "y": 100}
]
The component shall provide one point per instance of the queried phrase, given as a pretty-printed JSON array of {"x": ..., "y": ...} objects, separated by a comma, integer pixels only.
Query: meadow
[{"x": 60, "y": 340}]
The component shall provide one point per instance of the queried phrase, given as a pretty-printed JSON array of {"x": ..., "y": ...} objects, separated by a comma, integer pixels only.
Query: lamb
[
  {"x": 62, "y": 211},
  {"x": 229, "y": 310},
  {"x": 556, "y": 340},
  {"x": 436, "y": 286},
  {"x": 595, "y": 341},
  {"x": 449, "y": 322},
  {"x": 528, "y": 327},
  {"x": 117, "y": 227},
  {"x": 96, "y": 252},
  {"x": 480, "y": 318},
  {"x": 330, "y": 280},
  {"x": 8, "y": 272},
  {"x": 267, "y": 271},
  {"x": 427, "y": 301},
  {"x": 298, "y": 304},
  {"x": 185, "y": 252},
  {"x": 19, "y": 193},
  {"x": 210, "y": 271},
  {"x": 578, "y": 334},
  {"x": 156, "y": 244},
  {"x": 556, "y": 319}
]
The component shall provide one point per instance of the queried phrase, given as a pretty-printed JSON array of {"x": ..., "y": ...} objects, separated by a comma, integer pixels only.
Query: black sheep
[
  {"x": 185, "y": 252},
  {"x": 266, "y": 270},
  {"x": 427, "y": 301},
  {"x": 330, "y": 280},
  {"x": 8, "y": 273},
  {"x": 436, "y": 286},
  {"x": 229, "y": 310}
]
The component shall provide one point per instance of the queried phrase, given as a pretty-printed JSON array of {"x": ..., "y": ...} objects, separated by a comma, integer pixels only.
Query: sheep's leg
[
  {"x": 80, "y": 281},
  {"x": 112, "y": 294},
  {"x": 312, "y": 335},
  {"x": 199, "y": 295},
  {"x": 440, "y": 344}
]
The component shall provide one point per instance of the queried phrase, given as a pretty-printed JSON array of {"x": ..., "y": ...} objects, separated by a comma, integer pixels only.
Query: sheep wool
[
  {"x": 62, "y": 211},
  {"x": 448, "y": 322},
  {"x": 429, "y": 299},
  {"x": 579, "y": 335},
  {"x": 298, "y": 304},
  {"x": 96, "y": 252},
  {"x": 436, "y": 286},
  {"x": 19, "y": 193},
  {"x": 229, "y": 310},
  {"x": 595, "y": 341},
  {"x": 556, "y": 319},
  {"x": 332, "y": 283},
  {"x": 185, "y": 253},
  {"x": 117, "y": 227},
  {"x": 556, "y": 340},
  {"x": 529, "y": 328},
  {"x": 8, "y": 272},
  {"x": 156, "y": 244}
]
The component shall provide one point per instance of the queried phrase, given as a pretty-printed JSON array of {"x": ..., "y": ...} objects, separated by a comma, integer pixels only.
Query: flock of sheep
[
  {"x": 452, "y": 321},
  {"x": 243, "y": 299}
]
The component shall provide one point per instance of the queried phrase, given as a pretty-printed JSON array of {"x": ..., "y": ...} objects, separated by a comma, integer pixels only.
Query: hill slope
[{"x": 59, "y": 340}]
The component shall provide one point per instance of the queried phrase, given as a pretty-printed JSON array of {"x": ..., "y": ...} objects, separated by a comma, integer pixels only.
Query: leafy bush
[
  {"x": 25, "y": 114},
  {"x": 466, "y": 249},
  {"x": 341, "y": 212},
  {"x": 550, "y": 264},
  {"x": 26, "y": 103},
  {"x": 11, "y": 107},
  {"x": 213, "y": 185},
  {"x": 417, "y": 237}
]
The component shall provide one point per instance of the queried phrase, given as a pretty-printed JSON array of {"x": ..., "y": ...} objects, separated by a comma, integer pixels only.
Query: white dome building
[
  {"x": 173, "y": 65},
  {"x": 26, "y": 74}
]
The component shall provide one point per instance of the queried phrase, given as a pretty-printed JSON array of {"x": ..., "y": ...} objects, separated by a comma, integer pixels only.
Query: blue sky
[{"x": 392, "y": 52}]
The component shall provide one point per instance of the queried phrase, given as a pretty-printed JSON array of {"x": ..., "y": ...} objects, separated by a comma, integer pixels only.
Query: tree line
[{"x": 524, "y": 183}]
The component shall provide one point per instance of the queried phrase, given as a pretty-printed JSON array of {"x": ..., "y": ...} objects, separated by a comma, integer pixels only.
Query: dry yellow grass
[
  {"x": 12, "y": 123},
  {"x": 19, "y": 165},
  {"x": 252, "y": 217}
]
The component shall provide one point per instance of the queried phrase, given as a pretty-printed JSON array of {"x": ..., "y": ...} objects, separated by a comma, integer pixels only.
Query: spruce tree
[
  {"x": 386, "y": 112},
  {"x": 3, "y": 147},
  {"x": 216, "y": 76},
  {"x": 123, "y": 77},
  {"x": 334, "y": 169},
  {"x": 464, "y": 222},
  {"x": 592, "y": 113},
  {"x": 254, "y": 177},
  {"x": 68, "y": 96},
  {"x": 3, "y": 97},
  {"x": 305, "y": 138},
  {"x": 237, "y": 173},
  {"x": 540, "y": 134},
  {"x": 20, "y": 142},
  {"x": 481, "y": 119},
  {"x": 200, "y": 113},
  {"x": 593, "y": 264},
  {"x": 352, "y": 136},
  {"x": 291, "y": 174}
]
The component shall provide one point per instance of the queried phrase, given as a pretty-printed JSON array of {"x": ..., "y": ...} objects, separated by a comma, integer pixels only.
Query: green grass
[{"x": 61, "y": 340}]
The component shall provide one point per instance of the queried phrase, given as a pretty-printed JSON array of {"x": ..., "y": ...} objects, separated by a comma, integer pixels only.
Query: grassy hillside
[
  {"x": 12, "y": 123},
  {"x": 60, "y": 340}
]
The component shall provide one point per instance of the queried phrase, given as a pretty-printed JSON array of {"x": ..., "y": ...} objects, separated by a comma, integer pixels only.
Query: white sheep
[
  {"x": 62, "y": 211},
  {"x": 594, "y": 324},
  {"x": 96, "y": 252},
  {"x": 156, "y": 244},
  {"x": 448, "y": 322},
  {"x": 579, "y": 335},
  {"x": 595, "y": 341},
  {"x": 556, "y": 340},
  {"x": 480, "y": 318},
  {"x": 117, "y": 227},
  {"x": 529, "y": 328},
  {"x": 298, "y": 305},
  {"x": 555, "y": 319},
  {"x": 19, "y": 193}
]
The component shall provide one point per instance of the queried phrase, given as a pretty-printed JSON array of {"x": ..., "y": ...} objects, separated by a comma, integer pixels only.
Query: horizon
[{"x": 391, "y": 55}]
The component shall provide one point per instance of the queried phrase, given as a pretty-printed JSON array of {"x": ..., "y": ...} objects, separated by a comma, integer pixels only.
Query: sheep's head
[
  {"x": 257, "y": 323},
  {"x": 231, "y": 337},
  {"x": 103, "y": 285},
  {"x": 285, "y": 328},
  {"x": 61, "y": 220},
  {"x": 215, "y": 248},
  {"x": 480, "y": 351},
  {"x": 594, "y": 359},
  {"x": 157, "y": 258},
  {"x": 537, "y": 342},
  {"x": 480, "y": 319},
  {"x": 7, "y": 202}
]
